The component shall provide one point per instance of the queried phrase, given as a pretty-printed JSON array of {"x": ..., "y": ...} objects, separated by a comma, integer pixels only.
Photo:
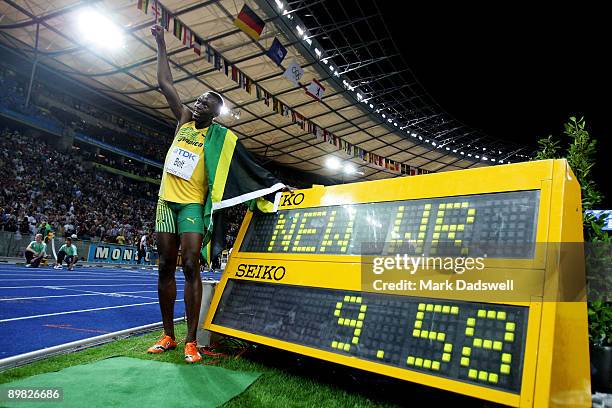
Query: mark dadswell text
[{"x": 448, "y": 285}]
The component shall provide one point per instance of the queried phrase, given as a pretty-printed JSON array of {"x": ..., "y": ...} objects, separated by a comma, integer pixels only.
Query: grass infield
[{"x": 288, "y": 380}]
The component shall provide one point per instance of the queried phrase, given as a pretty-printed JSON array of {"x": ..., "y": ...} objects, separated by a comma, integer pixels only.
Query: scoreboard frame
[{"x": 555, "y": 368}]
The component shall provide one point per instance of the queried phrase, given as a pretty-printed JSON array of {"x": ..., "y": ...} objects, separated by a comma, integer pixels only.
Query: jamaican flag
[{"x": 233, "y": 178}]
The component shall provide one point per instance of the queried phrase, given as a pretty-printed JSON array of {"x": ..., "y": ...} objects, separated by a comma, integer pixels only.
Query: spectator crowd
[{"x": 39, "y": 183}]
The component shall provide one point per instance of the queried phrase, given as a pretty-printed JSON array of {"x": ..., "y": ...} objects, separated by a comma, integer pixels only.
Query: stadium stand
[
  {"x": 43, "y": 183},
  {"x": 123, "y": 200}
]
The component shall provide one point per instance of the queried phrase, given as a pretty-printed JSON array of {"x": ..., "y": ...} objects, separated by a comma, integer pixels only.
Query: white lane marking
[
  {"x": 68, "y": 279},
  {"x": 72, "y": 275},
  {"x": 126, "y": 294},
  {"x": 111, "y": 294},
  {"x": 87, "y": 286},
  {"x": 75, "y": 311}
]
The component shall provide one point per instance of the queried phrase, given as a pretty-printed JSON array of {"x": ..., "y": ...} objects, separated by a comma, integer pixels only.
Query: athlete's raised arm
[{"x": 164, "y": 78}]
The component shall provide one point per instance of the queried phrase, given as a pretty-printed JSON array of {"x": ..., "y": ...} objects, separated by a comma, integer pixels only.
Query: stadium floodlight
[
  {"x": 98, "y": 29},
  {"x": 333, "y": 163},
  {"x": 349, "y": 168}
]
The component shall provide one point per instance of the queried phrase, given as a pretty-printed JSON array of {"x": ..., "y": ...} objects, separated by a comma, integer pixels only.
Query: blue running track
[{"x": 44, "y": 307}]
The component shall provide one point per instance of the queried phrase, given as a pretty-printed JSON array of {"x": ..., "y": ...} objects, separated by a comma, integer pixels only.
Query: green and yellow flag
[{"x": 233, "y": 178}]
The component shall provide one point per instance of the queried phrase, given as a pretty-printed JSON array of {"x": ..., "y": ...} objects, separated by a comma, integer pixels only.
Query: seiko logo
[
  {"x": 292, "y": 199},
  {"x": 269, "y": 272}
]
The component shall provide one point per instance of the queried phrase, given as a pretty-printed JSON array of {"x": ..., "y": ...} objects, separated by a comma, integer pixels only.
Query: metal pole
[{"x": 27, "y": 102}]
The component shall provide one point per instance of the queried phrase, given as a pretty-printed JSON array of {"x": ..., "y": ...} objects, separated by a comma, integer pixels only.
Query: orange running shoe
[
  {"x": 164, "y": 344},
  {"x": 191, "y": 352}
]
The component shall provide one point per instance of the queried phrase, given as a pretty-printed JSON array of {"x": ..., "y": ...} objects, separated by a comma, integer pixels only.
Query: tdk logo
[{"x": 185, "y": 153}]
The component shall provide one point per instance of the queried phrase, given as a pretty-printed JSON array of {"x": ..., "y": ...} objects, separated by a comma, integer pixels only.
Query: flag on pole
[
  {"x": 143, "y": 5},
  {"x": 155, "y": 9},
  {"x": 277, "y": 52},
  {"x": 294, "y": 72},
  {"x": 178, "y": 29},
  {"x": 315, "y": 89},
  {"x": 249, "y": 22},
  {"x": 266, "y": 98},
  {"x": 197, "y": 46}
]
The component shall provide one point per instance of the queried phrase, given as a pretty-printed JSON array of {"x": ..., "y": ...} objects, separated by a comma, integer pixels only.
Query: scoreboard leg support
[{"x": 203, "y": 336}]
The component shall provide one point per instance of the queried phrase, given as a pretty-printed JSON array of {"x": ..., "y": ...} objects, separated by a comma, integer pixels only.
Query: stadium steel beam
[
  {"x": 360, "y": 46},
  {"x": 362, "y": 40},
  {"x": 276, "y": 126},
  {"x": 307, "y": 52},
  {"x": 362, "y": 64},
  {"x": 359, "y": 36},
  {"x": 88, "y": 87},
  {"x": 325, "y": 104},
  {"x": 426, "y": 129},
  {"x": 229, "y": 99},
  {"x": 414, "y": 142},
  {"x": 66, "y": 37},
  {"x": 376, "y": 78},
  {"x": 53, "y": 14},
  {"x": 131, "y": 29},
  {"x": 207, "y": 70},
  {"x": 27, "y": 101},
  {"x": 273, "y": 125},
  {"x": 257, "y": 117}
]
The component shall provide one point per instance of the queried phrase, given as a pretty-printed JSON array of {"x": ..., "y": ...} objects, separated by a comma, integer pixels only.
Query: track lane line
[{"x": 13, "y": 319}]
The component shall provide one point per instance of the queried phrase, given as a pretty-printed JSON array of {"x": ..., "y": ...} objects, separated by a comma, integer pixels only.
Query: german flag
[{"x": 249, "y": 22}]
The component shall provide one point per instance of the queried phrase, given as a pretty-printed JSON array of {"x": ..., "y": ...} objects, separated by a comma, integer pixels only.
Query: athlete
[
  {"x": 35, "y": 252},
  {"x": 67, "y": 252},
  {"x": 179, "y": 220},
  {"x": 142, "y": 247}
]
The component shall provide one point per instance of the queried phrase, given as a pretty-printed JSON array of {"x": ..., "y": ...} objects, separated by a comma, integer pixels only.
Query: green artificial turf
[
  {"x": 287, "y": 380},
  {"x": 275, "y": 388}
]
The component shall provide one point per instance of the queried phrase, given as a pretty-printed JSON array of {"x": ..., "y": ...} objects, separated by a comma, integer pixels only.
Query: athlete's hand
[{"x": 158, "y": 33}]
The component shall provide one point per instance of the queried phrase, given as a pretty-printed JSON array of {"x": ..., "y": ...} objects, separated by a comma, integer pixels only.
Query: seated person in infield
[
  {"x": 67, "y": 252},
  {"x": 35, "y": 252}
]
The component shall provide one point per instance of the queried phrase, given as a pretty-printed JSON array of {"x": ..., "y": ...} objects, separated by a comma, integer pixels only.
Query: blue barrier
[{"x": 118, "y": 254}]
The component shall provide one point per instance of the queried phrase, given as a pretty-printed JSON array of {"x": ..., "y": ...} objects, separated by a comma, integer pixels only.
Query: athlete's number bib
[{"x": 182, "y": 163}]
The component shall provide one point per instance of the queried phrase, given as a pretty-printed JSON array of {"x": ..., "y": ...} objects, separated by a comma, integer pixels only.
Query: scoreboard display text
[
  {"x": 501, "y": 225},
  {"x": 471, "y": 342},
  {"x": 293, "y": 281}
]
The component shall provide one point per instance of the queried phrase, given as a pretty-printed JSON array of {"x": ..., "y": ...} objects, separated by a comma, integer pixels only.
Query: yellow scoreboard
[{"x": 303, "y": 280}]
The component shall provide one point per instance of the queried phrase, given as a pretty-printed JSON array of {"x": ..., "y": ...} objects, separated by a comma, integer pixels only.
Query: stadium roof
[{"x": 371, "y": 99}]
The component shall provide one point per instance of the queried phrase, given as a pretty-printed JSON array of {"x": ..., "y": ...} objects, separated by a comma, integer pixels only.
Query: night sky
[{"x": 515, "y": 73}]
